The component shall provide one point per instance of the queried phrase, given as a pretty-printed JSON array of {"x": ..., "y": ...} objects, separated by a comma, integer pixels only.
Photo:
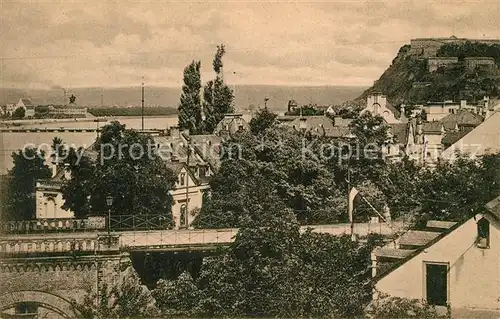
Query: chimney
[
  {"x": 185, "y": 133},
  {"x": 463, "y": 103},
  {"x": 487, "y": 113},
  {"x": 402, "y": 109},
  {"x": 174, "y": 131},
  {"x": 67, "y": 172}
]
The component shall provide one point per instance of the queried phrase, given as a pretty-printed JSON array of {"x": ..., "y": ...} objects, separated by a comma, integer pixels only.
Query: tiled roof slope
[{"x": 483, "y": 139}]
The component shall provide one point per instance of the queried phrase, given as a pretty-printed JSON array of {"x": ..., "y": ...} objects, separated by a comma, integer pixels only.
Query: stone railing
[
  {"x": 58, "y": 244},
  {"x": 53, "y": 225},
  {"x": 45, "y": 245}
]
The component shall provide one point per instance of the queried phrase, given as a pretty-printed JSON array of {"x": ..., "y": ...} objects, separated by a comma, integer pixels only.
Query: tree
[
  {"x": 126, "y": 169},
  {"x": 29, "y": 166},
  {"x": 263, "y": 120},
  {"x": 72, "y": 99},
  {"x": 190, "y": 103},
  {"x": 218, "y": 97},
  {"x": 59, "y": 152},
  {"x": 19, "y": 113},
  {"x": 126, "y": 299},
  {"x": 271, "y": 173},
  {"x": 177, "y": 298},
  {"x": 273, "y": 270}
]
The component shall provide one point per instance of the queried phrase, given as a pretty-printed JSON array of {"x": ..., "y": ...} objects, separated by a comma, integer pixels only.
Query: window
[
  {"x": 183, "y": 215},
  {"x": 202, "y": 171},
  {"x": 26, "y": 308},
  {"x": 182, "y": 179},
  {"x": 483, "y": 233},
  {"x": 240, "y": 127}
]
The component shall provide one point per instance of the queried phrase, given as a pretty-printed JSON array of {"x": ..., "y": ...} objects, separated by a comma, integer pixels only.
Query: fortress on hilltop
[{"x": 428, "y": 47}]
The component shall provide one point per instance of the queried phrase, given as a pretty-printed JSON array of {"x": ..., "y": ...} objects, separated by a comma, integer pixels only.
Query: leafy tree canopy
[
  {"x": 138, "y": 180},
  {"x": 29, "y": 166}
]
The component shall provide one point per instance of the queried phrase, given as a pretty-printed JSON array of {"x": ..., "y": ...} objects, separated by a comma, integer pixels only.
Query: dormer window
[{"x": 483, "y": 233}]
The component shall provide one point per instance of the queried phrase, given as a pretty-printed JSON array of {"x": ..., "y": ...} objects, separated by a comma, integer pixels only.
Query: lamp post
[{"x": 109, "y": 202}]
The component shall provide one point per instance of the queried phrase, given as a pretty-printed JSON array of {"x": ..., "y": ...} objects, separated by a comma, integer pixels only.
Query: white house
[
  {"x": 49, "y": 199},
  {"x": 377, "y": 104},
  {"x": 456, "y": 264},
  {"x": 27, "y": 105},
  {"x": 482, "y": 140}
]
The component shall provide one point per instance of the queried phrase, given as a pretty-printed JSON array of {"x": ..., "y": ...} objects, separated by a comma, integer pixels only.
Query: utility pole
[
  {"x": 142, "y": 113},
  {"x": 102, "y": 99},
  {"x": 187, "y": 183}
]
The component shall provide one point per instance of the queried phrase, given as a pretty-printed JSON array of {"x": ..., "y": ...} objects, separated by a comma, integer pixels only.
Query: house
[
  {"x": 48, "y": 194},
  {"x": 377, "y": 104},
  {"x": 446, "y": 263},
  {"x": 193, "y": 159},
  {"x": 187, "y": 195},
  {"x": 430, "y": 135},
  {"x": 230, "y": 124},
  {"x": 435, "y": 63},
  {"x": 10, "y": 108},
  {"x": 480, "y": 141},
  {"x": 27, "y": 105},
  {"x": 461, "y": 120},
  {"x": 319, "y": 125},
  {"x": 471, "y": 63},
  {"x": 402, "y": 142},
  {"x": 458, "y": 124},
  {"x": 436, "y": 111}
]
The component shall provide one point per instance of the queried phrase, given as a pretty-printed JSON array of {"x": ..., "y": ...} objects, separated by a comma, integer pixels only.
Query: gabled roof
[
  {"x": 420, "y": 239},
  {"x": 208, "y": 148},
  {"x": 462, "y": 117},
  {"x": 494, "y": 207},
  {"x": 175, "y": 148},
  {"x": 396, "y": 113},
  {"x": 27, "y": 102},
  {"x": 451, "y": 137},
  {"x": 177, "y": 167},
  {"x": 481, "y": 140},
  {"x": 432, "y": 127},
  {"x": 338, "y": 132},
  {"x": 400, "y": 132},
  {"x": 314, "y": 121},
  {"x": 417, "y": 238}
]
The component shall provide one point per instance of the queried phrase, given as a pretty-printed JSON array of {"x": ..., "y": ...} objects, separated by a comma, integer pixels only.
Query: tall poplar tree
[
  {"x": 218, "y": 97},
  {"x": 190, "y": 101}
]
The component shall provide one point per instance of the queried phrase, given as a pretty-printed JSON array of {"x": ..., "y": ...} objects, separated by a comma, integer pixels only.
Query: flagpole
[
  {"x": 349, "y": 208},
  {"x": 376, "y": 211}
]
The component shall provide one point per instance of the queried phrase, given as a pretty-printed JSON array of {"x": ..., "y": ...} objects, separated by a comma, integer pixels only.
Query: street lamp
[{"x": 109, "y": 202}]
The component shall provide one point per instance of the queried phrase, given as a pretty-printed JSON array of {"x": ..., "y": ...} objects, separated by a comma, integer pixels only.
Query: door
[{"x": 436, "y": 284}]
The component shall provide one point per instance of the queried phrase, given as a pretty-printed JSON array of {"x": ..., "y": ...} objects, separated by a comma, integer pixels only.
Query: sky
[{"x": 53, "y": 44}]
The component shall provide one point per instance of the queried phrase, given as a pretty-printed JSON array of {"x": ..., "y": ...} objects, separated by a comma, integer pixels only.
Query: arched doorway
[{"x": 30, "y": 300}]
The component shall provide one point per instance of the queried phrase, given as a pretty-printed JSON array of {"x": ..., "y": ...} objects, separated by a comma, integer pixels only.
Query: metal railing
[{"x": 140, "y": 222}]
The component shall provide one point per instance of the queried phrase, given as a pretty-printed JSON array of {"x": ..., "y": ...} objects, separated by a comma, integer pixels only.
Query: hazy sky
[{"x": 100, "y": 43}]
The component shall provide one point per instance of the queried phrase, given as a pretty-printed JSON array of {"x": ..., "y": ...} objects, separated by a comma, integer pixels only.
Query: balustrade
[{"x": 44, "y": 245}]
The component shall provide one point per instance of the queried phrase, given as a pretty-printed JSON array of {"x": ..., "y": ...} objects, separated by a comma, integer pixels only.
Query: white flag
[{"x": 352, "y": 195}]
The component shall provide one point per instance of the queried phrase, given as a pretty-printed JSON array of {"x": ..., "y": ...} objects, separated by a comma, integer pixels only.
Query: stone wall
[{"x": 67, "y": 278}]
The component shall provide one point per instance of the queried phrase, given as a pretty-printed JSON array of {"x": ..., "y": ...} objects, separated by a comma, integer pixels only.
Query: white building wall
[
  {"x": 377, "y": 105},
  {"x": 474, "y": 276},
  {"x": 51, "y": 206},
  {"x": 195, "y": 197}
]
